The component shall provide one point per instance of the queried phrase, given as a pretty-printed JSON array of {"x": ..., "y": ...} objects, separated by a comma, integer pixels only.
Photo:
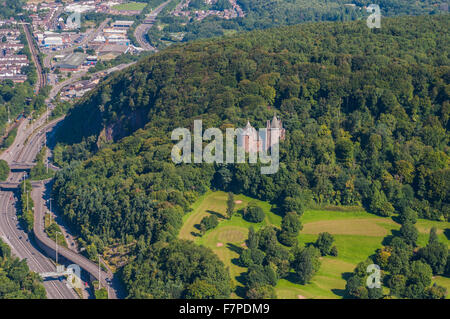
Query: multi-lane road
[
  {"x": 10, "y": 231},
  {"x": 21, "y": 247},
  {"x": 28, "y": 142},
  {"x": 21, "y": 244},
  {"x": 38, "y": 247},
  {"x": 141, "y": 30}
]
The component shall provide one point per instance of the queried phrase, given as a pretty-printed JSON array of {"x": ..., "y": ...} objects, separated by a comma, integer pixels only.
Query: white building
[{"x": 53, "y": 41}]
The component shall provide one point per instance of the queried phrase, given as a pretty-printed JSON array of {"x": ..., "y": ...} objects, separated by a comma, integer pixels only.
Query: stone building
[{"x": 253, "y": 141}]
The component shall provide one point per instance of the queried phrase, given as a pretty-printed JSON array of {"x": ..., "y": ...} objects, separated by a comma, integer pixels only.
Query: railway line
[{"x": 42, "y": 81}]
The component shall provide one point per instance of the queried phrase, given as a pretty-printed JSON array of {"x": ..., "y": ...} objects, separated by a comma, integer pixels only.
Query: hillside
[
  {"x": 263, "y": 14},
  {"x": 366, "y": 118}
]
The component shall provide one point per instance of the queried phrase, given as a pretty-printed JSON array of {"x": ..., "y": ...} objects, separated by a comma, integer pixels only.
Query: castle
[{"x": 274, "y": 132}]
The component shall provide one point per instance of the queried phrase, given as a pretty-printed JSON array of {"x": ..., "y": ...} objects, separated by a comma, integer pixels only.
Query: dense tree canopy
[
  {"x": 180, "y": 269},
  {"x": 263, "y": 14},
  {"x": 366, "y": 118},
  {"x": 16, "y": 280}
]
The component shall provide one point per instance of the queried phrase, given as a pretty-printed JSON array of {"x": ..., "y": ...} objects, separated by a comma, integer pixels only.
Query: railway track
[{"x": 42, "y": 81}]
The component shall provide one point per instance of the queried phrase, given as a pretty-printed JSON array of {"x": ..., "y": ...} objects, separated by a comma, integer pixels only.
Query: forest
[
  {"x": 365, "y": 111},
  {"x": 262, "y": 14},
  {"x": 10, "y": 8}
]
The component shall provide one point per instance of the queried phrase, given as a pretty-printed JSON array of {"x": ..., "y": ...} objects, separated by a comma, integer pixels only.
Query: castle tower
[
  {"x": 275, "y": 131},
  {"x": 250, "y": 138}
]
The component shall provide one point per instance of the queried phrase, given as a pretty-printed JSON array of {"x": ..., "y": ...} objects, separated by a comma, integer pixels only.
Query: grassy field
[
  {"x": 357, "y": 234},
  {"x": 130, "y": 6}
]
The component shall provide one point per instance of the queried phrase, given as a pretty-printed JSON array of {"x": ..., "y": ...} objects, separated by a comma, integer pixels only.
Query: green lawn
[
  {"x": 357, "y": 234},
  {"x": 130, "y": 6}
]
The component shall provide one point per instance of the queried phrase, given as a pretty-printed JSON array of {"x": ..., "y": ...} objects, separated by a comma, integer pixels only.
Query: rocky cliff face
[{"x": 131, "y": 121}]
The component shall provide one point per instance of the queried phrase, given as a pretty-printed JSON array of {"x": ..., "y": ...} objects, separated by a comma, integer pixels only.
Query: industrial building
[
  {"x": 122, "y": 24},
  {"x": 53, "y": 41},
  {"x": 72, "y": 62}
]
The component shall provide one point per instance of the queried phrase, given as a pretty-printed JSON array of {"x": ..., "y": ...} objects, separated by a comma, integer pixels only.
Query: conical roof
[{"x": 275, "y": 122}]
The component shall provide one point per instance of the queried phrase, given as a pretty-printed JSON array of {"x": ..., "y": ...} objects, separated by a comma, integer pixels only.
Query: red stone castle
[{"x": 273, "y": 134}]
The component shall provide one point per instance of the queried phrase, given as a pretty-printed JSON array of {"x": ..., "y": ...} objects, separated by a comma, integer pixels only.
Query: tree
[
  {"x": 101, "y": 293},
  {"x": 4, "y": 170},
  {"x": 201, "y": 289},
  {"x": 290, "y": 227},
  {"x": 253, "y": 213},
  {"x": 251, "y": 256},
  {"x": 398, "y": 262},
  {"x": 258, "y": 275},
  {"x": 230, "y": 205},
  {"x": 434, "y": 253},
  {"x": 344, "y": 150},
  {"x": 262, "y": 292},
  {"x": 179, "y": 269},
  {"x": 334, "y": 251},
  {"x": 420, "y": 273},
  {"x": 397, "y": 284},
  {"x": 293, "y": 204},
  {"x": 221, "y": 5},
  {"x": 380, "y": 205},
  {"x": 447, "y": 267},
  {"x": 407, "y": 215},
  {"x": 306, "y": 263},
  {"x": 252, "y": 241},
  {"x": 324, "y": 243},
  {"x": 375, "y": 293},
  {"x": 209, "y": 222},
  {"x": 223, "y": 178},
  {"x": 382, "y": 256},
  {"x": 16, "y": 280},
  {"x": 409, "y": 233},
  {"x": 435, "y": 292},
  {"x": 355, "y": 289}
]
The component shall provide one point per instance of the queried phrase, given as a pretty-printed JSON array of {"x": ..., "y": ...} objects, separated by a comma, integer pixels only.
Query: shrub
[
  {"x": 324, "y": 243},
  {"x": 254, "y": 213},
  {"x": 209, "y": 222},
  {"x": 334, "y": 251}
]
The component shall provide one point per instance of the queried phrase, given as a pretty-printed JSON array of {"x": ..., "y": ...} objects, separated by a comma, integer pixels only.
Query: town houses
[{"x": 12, "y": 61}]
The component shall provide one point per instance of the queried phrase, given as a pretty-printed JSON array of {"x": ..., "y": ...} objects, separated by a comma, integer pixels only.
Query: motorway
[
  {"x": 31, "y": 136},
  {"x": 141, "y": 30},
  {"x": 21, "y": 247},
  {"x": 12, "y": 233},
  {"x": 19, "y": 241}
]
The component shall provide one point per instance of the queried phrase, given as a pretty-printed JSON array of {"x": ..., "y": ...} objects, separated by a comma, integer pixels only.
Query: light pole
[
  {"x": 50, "y": 211},
  {"x": 24, "y": 190}
]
